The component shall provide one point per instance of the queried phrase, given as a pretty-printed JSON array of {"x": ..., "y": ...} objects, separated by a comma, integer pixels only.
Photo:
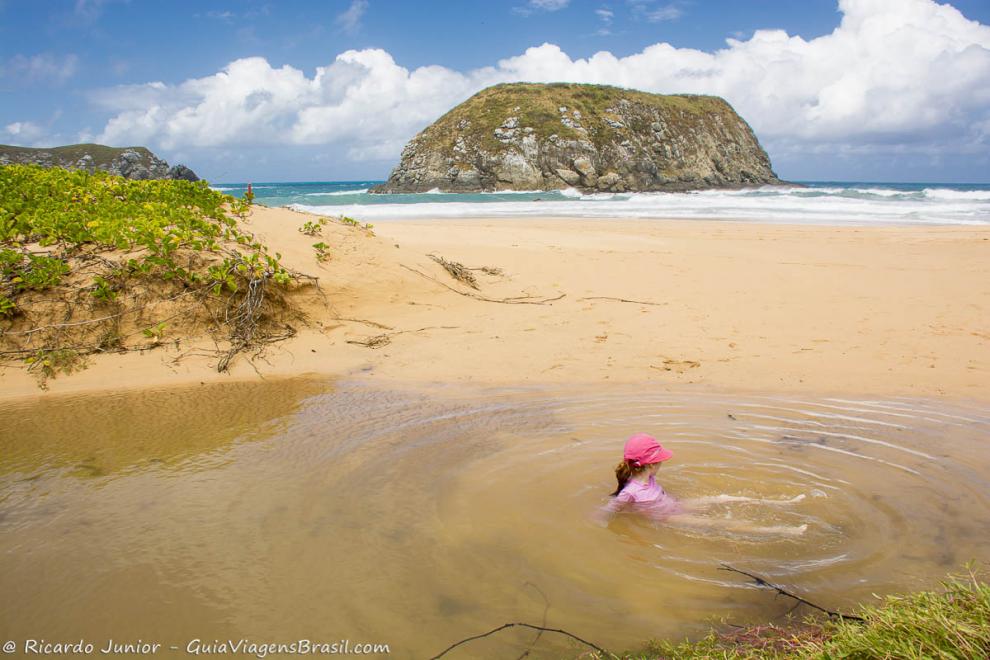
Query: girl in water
[{"x": 639, "y": 491}]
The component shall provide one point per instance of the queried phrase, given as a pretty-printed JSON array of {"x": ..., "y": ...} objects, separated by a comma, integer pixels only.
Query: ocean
[{"x": 813, "y": 202}]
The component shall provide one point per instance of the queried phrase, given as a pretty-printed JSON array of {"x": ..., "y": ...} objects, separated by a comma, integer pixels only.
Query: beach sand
[{"x": 740, "y": 306}]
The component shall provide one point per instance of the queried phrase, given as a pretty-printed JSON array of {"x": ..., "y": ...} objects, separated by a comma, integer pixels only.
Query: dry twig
[
  {"x": 762, "y": 582},
  {"x": 523, "y": 625}
]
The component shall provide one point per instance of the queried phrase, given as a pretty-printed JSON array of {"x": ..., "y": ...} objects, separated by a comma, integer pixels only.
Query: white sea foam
[
  {"x": 961, "y": 195},
  {"x": 818, "y": 205}
]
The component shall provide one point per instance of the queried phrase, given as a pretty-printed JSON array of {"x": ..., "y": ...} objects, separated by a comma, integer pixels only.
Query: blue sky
[{"x": 889, "y": 90}]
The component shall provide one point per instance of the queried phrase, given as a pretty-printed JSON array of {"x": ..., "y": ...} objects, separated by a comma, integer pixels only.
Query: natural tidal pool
[{"x": 286, "y": 510}]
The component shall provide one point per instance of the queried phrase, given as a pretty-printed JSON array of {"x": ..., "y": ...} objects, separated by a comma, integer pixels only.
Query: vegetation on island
[
  {"x": 538, "y": 106},
  {"x": 101, "y": 155},
  {"x": 132, "y": 162},
  {"x": 91, "y": 262}
]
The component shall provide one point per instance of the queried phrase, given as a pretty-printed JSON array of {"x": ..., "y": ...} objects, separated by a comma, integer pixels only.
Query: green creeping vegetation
[
  {"x": 106, "y": 233},
  {"x": 322, "y": 251},
  {"x": 313, "y": 228},
  {"x": 951, "y": 623}
]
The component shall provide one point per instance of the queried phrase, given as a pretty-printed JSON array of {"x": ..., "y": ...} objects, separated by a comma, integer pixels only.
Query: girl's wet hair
[{"x": 623, "y": 472}]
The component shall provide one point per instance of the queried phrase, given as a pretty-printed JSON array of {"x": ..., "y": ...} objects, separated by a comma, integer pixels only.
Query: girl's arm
[{"x": 612, "y": 507}]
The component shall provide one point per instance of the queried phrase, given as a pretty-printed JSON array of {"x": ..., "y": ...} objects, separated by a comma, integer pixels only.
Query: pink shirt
[{"x": 649, "y": 498}]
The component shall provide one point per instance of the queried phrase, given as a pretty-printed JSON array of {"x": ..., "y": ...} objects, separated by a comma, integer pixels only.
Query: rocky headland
[
  {"x": 525, "y": 136},
  {"x": 130, "y": 162}
]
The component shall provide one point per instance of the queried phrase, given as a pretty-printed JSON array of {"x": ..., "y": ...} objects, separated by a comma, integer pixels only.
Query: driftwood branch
[
  {"x": 517, "y": 300},
  {"x": 523, "y": 625},
  {"x": 762, "y": 582}
]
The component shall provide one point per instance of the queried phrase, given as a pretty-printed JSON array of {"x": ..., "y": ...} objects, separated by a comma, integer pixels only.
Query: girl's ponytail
[{"x": 623, "y": 471}]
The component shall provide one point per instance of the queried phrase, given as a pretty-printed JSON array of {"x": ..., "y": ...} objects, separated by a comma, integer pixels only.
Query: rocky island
[
  {"x": 129, "y": 162},
  {"x": 526, "y": 136}
]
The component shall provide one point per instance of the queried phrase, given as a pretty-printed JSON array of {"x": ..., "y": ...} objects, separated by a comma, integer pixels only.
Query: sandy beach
[{"x": 712, "y": 305}]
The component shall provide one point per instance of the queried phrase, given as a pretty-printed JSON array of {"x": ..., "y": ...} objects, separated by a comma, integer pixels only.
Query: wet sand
[{"x": 719, "y": 306}]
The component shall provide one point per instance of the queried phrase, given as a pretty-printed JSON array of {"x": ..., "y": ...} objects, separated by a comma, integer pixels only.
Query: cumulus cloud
[
  {"x": 897, "y": 75},
  {"x": 41, "y": 68}
]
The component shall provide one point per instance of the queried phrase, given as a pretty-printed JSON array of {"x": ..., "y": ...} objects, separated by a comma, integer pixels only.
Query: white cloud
[
  {"x": 549, "y": 5},
  {"x": 41, "y": 68},
  {"x": 534, "y": 6},
  {"x": 665, "y": 13},
  {"x": 23, "y": 132},
  {"x": 350, "y": 20},
  {"x": 899, "y": 76},
  {"x": 605, "y": 15}
]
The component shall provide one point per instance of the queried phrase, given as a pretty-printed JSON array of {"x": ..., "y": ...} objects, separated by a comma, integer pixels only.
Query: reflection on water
[{"x": 291, "y": 510}]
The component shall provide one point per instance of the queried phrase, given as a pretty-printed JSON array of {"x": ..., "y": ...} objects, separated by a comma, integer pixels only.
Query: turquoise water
[{"x": 813, "y": 202}]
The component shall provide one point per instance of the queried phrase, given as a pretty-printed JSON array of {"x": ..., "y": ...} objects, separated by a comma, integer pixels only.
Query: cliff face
[
  {"x": 130, "y": 162},
  {"x": 545, "y": 137}
]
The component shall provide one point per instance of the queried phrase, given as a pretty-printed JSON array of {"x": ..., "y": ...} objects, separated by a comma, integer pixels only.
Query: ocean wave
[
  {"x": 728, "y": 206},
  {"x": 957, "y": 195},
  {"x": 336, "y": 193},
  {"x": 825, "y": 203}
]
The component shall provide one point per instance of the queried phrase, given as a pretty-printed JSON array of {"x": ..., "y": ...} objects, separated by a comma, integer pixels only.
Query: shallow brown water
[{"x": 287, "y": 510}]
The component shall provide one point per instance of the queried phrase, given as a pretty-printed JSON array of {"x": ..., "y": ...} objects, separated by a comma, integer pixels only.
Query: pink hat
[{"x": 643, "y": 449}]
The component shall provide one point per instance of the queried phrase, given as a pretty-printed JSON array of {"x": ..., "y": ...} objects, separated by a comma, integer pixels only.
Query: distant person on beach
[{"x": 638, "y": 491}]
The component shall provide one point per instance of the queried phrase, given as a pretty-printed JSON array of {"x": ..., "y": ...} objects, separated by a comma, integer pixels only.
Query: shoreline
[{"x": 679, "y": 304}]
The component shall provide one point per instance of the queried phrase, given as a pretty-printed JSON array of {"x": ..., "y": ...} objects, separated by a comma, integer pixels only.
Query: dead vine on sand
[
  {"x": 373, "y": 324},
  {"x": 623, "y": 300},
  {"x": 385, "y": 339},
  {"x": 456, "y": 270},
  {"x": 517, "y": 300}
]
